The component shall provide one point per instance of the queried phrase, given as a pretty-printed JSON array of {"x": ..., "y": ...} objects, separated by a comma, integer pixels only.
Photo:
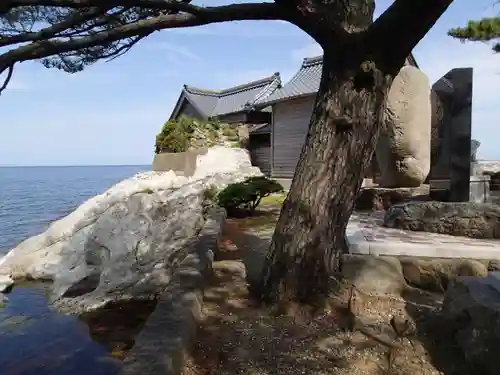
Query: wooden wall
[{"x": 290, "y": 125}]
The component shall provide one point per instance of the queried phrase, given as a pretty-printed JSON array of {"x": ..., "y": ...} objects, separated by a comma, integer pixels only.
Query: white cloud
[
  {"x": 227, "y": 79},
  {"x": 32, "y": 76},
  {"x": 441, "y": 56},
  {"x": 297, "y": 55},
  {"x": 175, "y": 52},
  {"x": 17, "y": 84},
  {"x": 241, "y": 29},
  {"x": 309, "y": 50}
]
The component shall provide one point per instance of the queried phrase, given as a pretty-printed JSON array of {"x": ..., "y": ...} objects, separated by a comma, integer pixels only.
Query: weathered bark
[
  {"x": 338, "y": 149},
  {"x": 344, "y": 128}
]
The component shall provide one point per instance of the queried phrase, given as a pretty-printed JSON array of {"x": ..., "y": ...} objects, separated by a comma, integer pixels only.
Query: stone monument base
[
  {"x": 374, "y": 198},
  {"x": 479, "y": 189}
]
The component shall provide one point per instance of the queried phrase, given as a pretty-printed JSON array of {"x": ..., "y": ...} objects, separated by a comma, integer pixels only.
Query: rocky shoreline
[{"x": 124, "y": 244}]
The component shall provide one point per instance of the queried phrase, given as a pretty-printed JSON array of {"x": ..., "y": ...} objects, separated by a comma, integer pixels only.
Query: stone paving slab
[{"x": 366, "y": 235}]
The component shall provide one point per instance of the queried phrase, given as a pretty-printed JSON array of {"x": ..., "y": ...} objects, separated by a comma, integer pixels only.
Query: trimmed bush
[{"x": 242, "y": 198}]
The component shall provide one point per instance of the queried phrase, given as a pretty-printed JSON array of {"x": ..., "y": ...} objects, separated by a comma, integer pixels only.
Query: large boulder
[
  {"x": 435, "y": 275},
  {"x": 472, "y": 310},
  {"x": 468, "y": 219},
  {"x": 403, "y": 150},
  {"x": 124, "y": 243}
]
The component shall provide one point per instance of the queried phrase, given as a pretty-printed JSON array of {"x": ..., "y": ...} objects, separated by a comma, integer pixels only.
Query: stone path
[{"x": 366, "y": 235}]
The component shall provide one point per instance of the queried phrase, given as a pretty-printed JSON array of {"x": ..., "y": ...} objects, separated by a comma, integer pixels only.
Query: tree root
[{"x": 353, "y": 323}]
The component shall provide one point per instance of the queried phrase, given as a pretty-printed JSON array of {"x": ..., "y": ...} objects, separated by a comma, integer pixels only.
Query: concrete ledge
[
  {"x": 182, "y": 163},
  {"x": 168, "y": 334},
  {"x": 358, "y": 244}
]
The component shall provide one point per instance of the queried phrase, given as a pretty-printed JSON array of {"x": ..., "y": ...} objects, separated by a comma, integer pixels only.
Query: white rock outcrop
[
  {"x": 5, "y": 283},
  {"x": 124, "y": 242},
  {"x": 404, "y": 148}
]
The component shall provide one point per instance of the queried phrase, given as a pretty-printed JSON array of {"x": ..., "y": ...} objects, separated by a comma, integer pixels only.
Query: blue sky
[{"x": 111, "y": 112}]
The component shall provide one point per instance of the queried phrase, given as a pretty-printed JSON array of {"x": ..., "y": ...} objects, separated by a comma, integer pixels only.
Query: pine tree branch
[
  {"x": 46, "y": 46},
  {"x": 483, "y": 30},
  {"x": 51, "y": 31},
  {"x": 329, "y": 21},
  {"x": 182, "y": 5},
  {"x": 402, "y": 26}
]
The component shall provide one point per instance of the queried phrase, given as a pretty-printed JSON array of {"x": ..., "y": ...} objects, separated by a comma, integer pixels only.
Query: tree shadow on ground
[{"x": 238, "y": 335}]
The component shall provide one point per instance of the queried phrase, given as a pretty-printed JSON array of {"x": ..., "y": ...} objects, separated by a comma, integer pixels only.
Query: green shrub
[
  {"x": 244, "y": 197},
  {"x": 175, "y": 136},
  {"x": 230, "y": 131},
  {"x": 214, "y": 124},
  {"x": 185, "y": 132}
]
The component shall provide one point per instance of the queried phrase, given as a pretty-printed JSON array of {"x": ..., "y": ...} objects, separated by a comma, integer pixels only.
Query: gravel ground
[{"x": 238, "y": 336}]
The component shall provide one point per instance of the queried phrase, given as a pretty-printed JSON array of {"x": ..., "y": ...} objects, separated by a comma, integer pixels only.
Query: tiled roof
[
  {"x": 305, "y": 82},
  {"x": 235, "y": 99}
]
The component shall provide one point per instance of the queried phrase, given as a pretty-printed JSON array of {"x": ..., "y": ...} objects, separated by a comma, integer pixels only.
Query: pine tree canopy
[{"x": 484, "y": 30}]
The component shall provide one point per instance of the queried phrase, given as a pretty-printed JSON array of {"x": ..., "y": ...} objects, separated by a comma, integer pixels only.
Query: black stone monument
[{"x": 451, "y": 136}]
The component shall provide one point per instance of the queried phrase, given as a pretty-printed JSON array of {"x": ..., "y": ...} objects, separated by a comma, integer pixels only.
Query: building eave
[
  {"x": 298, "y": 83},
  {"x": 292, "y": 97},
  {"x": 184, "y": 96},
  {"x": 222, "y": 99},
  {"x": 235, "y": 89}
]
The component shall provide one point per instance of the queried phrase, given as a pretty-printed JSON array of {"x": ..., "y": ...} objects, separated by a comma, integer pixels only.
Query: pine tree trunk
[
  {"x": 343, "y": 131},
  {"x": 359, "y": 62}
]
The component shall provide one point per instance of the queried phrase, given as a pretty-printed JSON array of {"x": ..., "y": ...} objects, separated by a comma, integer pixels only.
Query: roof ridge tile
[{"x": 235, "y": 89}]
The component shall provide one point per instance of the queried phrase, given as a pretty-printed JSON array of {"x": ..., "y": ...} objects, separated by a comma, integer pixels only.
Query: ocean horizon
[
  {"x": 35, "y": 339},
  {"x": 31, "y": 197}
]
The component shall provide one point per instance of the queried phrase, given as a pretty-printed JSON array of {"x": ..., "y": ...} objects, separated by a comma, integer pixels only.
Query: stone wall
[
  {"x": 395, "y": 274},
  {"x": 170, "y": 331}
]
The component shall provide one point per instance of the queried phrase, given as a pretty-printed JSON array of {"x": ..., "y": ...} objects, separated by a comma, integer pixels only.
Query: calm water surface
[{"x": 34, "y": 340}]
